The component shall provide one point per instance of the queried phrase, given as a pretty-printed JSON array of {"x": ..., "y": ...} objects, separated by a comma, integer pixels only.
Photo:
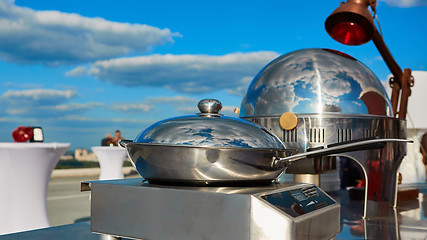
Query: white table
[
  {"x": 111, "y": 161},
  {"x": 25, "y": 170}
]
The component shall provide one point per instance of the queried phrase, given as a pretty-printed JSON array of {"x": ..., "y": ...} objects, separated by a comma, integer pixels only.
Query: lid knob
[{"x": 209, "y": 106}]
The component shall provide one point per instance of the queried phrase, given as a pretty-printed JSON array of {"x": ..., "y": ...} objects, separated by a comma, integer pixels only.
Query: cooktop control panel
[{"x": 297, "y": 202}]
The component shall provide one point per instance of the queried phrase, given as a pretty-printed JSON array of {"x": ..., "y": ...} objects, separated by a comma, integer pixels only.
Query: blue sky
[{"x": 81, "y": 69}]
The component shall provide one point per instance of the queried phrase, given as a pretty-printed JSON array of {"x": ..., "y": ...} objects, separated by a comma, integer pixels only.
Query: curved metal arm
[
  {"x": 402, "y": 80},
  {"x": 338, "y": 148}
]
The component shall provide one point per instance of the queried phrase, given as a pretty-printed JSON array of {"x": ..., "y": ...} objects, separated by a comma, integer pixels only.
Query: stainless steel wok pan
[
  {"x": 190, "y": 165},
  {"x": 210, "y": 149}
]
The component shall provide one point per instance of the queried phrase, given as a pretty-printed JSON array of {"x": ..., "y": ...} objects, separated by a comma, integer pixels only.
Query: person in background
[
  {"x": 117, "y": 138},
  {"x": 107, "y": 141}
]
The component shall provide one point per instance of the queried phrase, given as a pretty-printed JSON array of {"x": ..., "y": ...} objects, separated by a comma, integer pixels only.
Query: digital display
[{"x": 299, "y": 201}]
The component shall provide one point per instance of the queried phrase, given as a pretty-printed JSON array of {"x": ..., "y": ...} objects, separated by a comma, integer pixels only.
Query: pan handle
[
  {"x": 336, "y": 148},
  {"x": 123, "y": 143}
]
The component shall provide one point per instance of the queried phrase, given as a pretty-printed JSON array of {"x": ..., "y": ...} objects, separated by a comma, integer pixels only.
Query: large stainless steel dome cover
[{"x": 315, "y": 81}]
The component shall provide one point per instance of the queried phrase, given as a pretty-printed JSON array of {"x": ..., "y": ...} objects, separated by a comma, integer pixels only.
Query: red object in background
[
  {"x": 361, "y": 183},
  {"x": 22, "y": 134},
  {"x": 379, "y": 108}
]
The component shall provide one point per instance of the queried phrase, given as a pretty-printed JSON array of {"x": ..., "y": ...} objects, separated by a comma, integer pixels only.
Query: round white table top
[
  {"x": 33, "y": 145},
  {"x": 111, "y": 161},
  {"x": 108, "y": 148}
]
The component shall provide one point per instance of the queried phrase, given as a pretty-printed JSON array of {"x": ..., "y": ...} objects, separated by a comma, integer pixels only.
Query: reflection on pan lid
[{"x": 209, "y": 129}]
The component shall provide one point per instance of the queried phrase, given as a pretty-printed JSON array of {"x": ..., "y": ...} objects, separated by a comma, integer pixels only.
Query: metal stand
[
  {"x": 380, "y": 168},
  {"x": 307, "y": 178}
]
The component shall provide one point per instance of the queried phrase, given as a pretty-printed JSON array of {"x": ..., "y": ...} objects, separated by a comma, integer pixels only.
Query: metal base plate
[{"x": 211, "y": 183}]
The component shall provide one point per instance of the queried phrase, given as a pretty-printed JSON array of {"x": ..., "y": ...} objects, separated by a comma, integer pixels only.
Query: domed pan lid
[
  {"x": 312, "y": 81},
  {"x": 209, "y": 129}
]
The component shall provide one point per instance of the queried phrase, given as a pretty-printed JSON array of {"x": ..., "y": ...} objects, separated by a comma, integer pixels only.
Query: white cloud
[
  {"x": 76, "y": 72},
  {"x": 132, "y": 107},
  {"x": 152, "y": 102},
  {"x": 98, "y": 121},
  {"x": 73, "y": 107},
  {"x": 405, "y": 3},
  {"x": 4, "y": 119},
  {"x": 188, "y": 110},
  {"x": 22, "y": 85},
  {"x": 55, "y": 38},
  {"x": 43, "y": 103},
  {"x": 184, "y": 73},
  {"x": 243, "y": 86},
  {"x": 51, "y": 111},
  {"x": 378, "y": 58},
  {"x": 171, "y": 100},
  {"x": 229, "y": 111},
  {"x": 38, "y": 96}
]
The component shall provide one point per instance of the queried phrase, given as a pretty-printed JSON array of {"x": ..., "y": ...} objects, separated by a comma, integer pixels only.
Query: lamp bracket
[
  {"x": 373, "y": 4},
  {"x": 392, "y": 81},
  {"x": 411, "y": 81}
]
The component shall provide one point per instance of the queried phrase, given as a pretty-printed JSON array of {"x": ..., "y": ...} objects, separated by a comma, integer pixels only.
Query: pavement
[{"x": 66, "y": 204}]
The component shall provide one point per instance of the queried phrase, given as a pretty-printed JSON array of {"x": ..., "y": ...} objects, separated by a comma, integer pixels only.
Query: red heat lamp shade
[
  {"x": 351, "y": 23},
  {"x": 348, "y": 33}
]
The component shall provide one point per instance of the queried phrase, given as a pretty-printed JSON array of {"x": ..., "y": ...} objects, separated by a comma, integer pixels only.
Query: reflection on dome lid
[{"x": 315, "y": 81}]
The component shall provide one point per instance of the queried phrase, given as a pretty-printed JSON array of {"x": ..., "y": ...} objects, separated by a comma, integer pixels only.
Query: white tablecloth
[
  {"x": 25, "y": 170},
  {"x": 111, "y": 161}
]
